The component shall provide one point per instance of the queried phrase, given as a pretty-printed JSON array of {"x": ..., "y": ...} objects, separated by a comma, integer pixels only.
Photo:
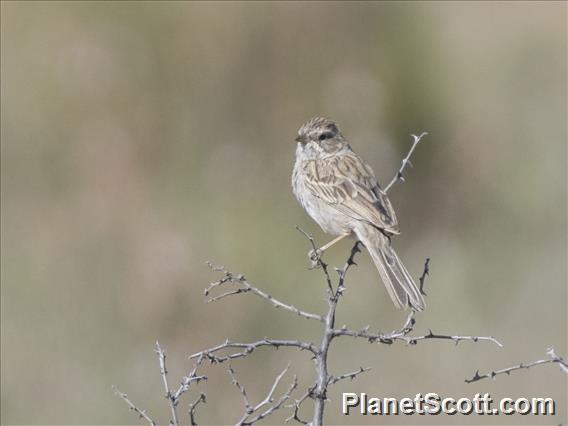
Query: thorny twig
[
  {"x": 201, "y": 400},
  {"x": 405, "y": 162},
  {"x": 297, "y": 404},
  {"x": 164, "y": 374},
  {"x": 390, "y": 338},
  {"x": 141, "y": 413},
  {"x": 246, "y": 287},
  {"x": 402, "y": 333},
  {"x": 343, "y": 271},
  {"x": 318, "y": 262},
  {"x": 173, "y": 398},
  {"x": 423, "y": 276},
  {"x": 334, "y": 379},
  {"x": 553, "y": 358},
  {"x": 188, "y": 380},
  {"x": 319, "y": 394},
  {"x": 241, "y": 388},
  {"x": 269, "y": 401},
  {"x": 248, "y": 348}
]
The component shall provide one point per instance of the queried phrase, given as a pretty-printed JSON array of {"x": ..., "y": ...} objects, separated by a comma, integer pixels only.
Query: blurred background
[{"x": 142, "y": 139}]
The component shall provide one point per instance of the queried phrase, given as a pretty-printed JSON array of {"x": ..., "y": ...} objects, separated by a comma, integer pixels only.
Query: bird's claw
[
  {"x": 315, "y": 258},
  {"x": 315, "y": 255}
]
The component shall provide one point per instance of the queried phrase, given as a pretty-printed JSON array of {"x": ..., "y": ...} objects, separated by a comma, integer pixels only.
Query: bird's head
[{"x": 321, "y": 134}]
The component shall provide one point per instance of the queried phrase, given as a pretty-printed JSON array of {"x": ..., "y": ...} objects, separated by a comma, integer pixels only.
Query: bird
[{"x": 340, "y": 192}]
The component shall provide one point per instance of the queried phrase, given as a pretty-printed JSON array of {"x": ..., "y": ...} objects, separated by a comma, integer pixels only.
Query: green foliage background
[{"x": 141, "y": 139}]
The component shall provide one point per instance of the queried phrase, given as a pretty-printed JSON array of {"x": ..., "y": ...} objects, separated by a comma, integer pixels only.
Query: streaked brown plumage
[{"x": 341, "y": 193}]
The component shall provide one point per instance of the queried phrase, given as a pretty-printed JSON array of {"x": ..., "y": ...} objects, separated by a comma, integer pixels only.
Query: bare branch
[
  {"x": 402, "y": 335},
  {"x": 226, "y": 294},
  {"x": 422, "y": 278},
  {"x": 322, "y": 382},
  {"x": 412, "y": 340},
  {"x": 297, "y": 404},
  {"x": 551, "y": 352},
  {"x": 241, "y": 388},
  {"x": 318, "y": 392},
  {"x": 318, "y": 262},
  {"x": 334, "y": 379},
  {"x": 187, "y": 381},
  {"x": 553, "y": 358},
  {"x": 141, "y": 413},
  {"x": 277, "y": 405},
  {"x": 343, "y": 272},
  {"x": 201, "y": 400},
  {"x": 405, "y": 161},
  {"x": 173, "y": 398},
  {"x": 269, "y": 397},
  {"x": 246, "y": 287},
  {"x": 248, "y": 348},
  {"x": 164, "y": 374},
  {"x": 267, "y": 401}
]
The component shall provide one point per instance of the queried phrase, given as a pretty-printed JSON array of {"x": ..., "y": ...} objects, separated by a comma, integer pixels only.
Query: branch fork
[{"x": 173, "y": 398}]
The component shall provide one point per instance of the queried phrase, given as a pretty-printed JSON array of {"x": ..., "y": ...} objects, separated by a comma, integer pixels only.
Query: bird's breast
[{"x": 331, "y": 220}]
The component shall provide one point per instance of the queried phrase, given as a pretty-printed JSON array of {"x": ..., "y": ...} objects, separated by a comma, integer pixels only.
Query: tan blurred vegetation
[{"x": 141, "y": 139}]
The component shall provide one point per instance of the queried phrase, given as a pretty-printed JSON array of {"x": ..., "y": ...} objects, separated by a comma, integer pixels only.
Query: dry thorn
[
  {"x": 172, "y": 398},
  {"x": 553, "y": 358},
  {"x": 405, "y": 161},
  {"x": 333, "y": 379},
  {"x": 248, "y": 348},
  {"x": 319, "y": 263},
  {"x": 188, "y": 380},
  {"x": 422, "y": 278},
  {"x": 164, "y": 374},
  {"x": 402, "y": 335},
  {"x": 268, "y": 401},
  {"x": 297, "y": 405},
  {"x": 141, "y": 413},
  {"x": 246, "y": 287},
  {"x": 201, "y": 400}
]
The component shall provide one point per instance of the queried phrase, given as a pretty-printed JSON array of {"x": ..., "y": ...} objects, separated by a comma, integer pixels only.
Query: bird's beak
[{"x": 300, "y": 139}]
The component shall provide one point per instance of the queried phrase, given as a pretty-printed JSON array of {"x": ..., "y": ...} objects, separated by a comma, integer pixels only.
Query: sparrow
[{"x": 342, "y": 195}]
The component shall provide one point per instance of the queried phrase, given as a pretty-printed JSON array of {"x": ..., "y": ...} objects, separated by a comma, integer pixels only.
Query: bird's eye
[{"x": 325, "y": 136}]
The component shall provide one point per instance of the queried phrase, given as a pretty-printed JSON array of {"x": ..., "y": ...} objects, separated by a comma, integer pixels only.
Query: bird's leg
[
  {"x": 332, "y": 242},
  {"x": 315, "y": 255}
]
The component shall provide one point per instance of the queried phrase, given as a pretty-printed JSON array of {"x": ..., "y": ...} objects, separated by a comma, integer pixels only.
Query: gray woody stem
[
  {"x": 323, "y": 377},
  {"x": 405, "y": 162},
  {"x": 553, "y": 358},
  {"x": 141, "y": 413},
  {"x": 243, "y": 286},
  {"x": 249, "y": 417},
  {"x": 172, "y": 397},
  {"x": 201, "y": 400},
  {"x": 248, "y": 348},
  {"x": 164, "y": 374}
]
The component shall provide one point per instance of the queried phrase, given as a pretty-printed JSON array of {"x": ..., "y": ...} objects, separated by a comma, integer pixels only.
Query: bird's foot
[{"x": 315, "y": 258}]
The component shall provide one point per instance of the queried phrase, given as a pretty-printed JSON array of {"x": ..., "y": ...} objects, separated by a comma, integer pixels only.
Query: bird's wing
[{"x": 346, "y": 183}]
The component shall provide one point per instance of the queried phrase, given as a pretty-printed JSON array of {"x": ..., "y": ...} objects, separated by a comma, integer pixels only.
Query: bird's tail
[{"x": 397, "y": 280}]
